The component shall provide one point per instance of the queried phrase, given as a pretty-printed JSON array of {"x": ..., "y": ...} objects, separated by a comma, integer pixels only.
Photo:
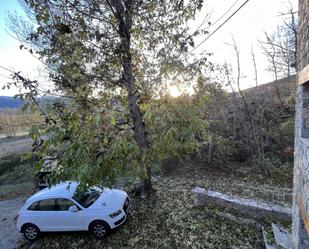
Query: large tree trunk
[{"x": 124, "y": 15}]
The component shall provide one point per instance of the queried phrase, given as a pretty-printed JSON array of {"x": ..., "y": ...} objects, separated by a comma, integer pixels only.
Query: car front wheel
[
  {"x": 31, "y": 232},
  {"x": 99, "y": 229}
]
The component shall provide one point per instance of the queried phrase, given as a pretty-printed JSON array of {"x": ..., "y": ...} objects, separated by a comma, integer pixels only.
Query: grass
[
  {"x": 16, "y": 177},
  {"x": 8, "y": 163},
  {"x": 9, "y": 191}
]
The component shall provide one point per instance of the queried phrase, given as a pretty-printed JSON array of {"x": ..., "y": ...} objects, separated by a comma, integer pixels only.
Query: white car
[{"x": 62, "y": 208}]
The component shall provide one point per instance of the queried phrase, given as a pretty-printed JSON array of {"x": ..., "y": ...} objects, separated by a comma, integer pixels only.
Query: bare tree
[
  {"x": 255, "y": 67},
  {"x": 227, "y": 71},
  {"x": 247, "y": 110},
  {"x": 280, "y": 47}
]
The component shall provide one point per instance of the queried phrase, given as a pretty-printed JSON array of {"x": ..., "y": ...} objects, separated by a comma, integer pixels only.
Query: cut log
[
  {"x": 250, "y": 207},
  {"x": 239, "y": 220}
]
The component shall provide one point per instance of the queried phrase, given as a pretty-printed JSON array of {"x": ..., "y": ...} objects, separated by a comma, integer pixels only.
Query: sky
[
  {"x": 247, "y": 27},
  {"x": 11, "y": 56}
]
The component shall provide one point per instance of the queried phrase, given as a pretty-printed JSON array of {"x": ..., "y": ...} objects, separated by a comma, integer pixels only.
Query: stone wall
[
  {"x": 303, "y": 34},
  {"x": 301, "y": 162}
]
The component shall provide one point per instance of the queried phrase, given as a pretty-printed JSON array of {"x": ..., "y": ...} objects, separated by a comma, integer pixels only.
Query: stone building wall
[
  {"x": 300, "y": 228},
  {"x": 303, "y": 34}
]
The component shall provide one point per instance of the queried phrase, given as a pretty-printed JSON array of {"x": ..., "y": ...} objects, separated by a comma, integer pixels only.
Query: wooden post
[{"x": 303, "y": 212}]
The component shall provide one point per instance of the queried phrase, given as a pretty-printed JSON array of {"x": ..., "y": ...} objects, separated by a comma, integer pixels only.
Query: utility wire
[
  {"x": 220, "y": 25},
  {"x": 4, "y": 76},
  {"x": 9, "y": 70},
  {"x": 223, "y": 15},
  {"x": 215, "y": 22},
  {"x": 204, "y": 20}
]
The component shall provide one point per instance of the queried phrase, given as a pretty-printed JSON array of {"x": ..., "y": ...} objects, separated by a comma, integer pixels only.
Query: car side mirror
[{"x": 73, "y": 208}]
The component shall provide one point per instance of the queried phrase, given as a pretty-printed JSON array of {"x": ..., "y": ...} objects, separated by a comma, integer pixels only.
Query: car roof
[{"x": 60, "y": 190}]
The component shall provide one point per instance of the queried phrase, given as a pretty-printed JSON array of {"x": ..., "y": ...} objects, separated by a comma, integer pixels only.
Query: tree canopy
[{"x": 112, "y": 60}]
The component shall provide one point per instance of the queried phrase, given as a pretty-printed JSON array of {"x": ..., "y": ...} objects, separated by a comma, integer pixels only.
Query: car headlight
[
  {"x": 127, "y": 202},
  {"x": 113, "y": 215}
]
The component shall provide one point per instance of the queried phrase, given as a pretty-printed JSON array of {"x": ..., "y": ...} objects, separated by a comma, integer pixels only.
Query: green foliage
[
  {"x": 223, "y": 151},
  {"x": 16, "y": 176},
  {"x": 284, "y": 134},
  {"x": 174, "y": 128},
  {"x": 98, "y": 146},
  {"x": 91, "y": 147},
  {"x": 264, "y": 139},
  {"x": 111, "y": 61},
  {"x": 7, "y": 163}
]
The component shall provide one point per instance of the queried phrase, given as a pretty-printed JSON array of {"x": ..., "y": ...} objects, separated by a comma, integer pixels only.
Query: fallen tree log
[
  {"x": 239, "y": 220},
  {"x": 250, "y": 207}
]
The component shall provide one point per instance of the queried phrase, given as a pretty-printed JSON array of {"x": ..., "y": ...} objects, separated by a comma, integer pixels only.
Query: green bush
[
  {"x": 13, "y": 170},
  {"x": 9, "y": 162}
]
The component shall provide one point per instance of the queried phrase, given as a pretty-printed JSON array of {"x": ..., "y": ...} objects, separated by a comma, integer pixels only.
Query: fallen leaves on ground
[{"x": 166, "y": 219}]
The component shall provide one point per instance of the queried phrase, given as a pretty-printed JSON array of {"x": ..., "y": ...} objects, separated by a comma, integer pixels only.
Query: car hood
[{"x": 112, "y": 199}]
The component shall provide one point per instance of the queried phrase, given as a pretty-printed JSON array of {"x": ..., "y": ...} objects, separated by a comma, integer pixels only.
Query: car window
[
  {"x": 87, "y": 198},
  {"x": 64, "y": 204},
  {"x": 34, "y": 206},
  {"x": 44, "y": 205}
]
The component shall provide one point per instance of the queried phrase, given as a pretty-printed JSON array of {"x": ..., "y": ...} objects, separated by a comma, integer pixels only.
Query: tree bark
[
  {"x": 123, "y": 13},
  {"x": 210, "y": 151},
  {"x": 227, "y": 75}
]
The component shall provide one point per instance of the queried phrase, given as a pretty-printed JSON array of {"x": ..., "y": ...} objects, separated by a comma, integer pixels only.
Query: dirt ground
[{"x": 9, "y": 235}]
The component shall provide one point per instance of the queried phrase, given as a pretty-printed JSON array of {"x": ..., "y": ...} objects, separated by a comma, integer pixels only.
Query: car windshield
[{"x": 87, "y": 198}]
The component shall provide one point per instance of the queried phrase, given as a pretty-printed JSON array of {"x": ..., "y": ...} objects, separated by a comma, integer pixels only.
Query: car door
[
  {"x": 43, "y": 214},
  {"x": 67, "y": 220}
]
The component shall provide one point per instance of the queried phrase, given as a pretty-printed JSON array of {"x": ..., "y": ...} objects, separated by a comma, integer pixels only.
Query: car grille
[{"x": 126, "y": 205}]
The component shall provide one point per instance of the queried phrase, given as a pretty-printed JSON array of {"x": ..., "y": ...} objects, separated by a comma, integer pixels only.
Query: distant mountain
[{"x": 10, "y": 102}]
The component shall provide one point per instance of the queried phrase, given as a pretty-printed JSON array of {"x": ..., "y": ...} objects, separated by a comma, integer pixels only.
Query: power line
[
  {"x": 221, "y": 25},
  {"x": 204, "y": 20},
  {"x": 214, "y": 23},
  {"x": 7, "y": 69},
  {"x": 4, "y": 76}
]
